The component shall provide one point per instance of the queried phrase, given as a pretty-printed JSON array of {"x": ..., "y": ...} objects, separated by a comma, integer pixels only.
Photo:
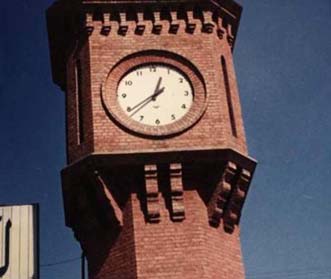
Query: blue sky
[{"x": 283, "y": 64}]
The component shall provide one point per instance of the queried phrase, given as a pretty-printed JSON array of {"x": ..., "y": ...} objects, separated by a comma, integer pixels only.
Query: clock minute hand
[
  {"x": 146, "y": 102},
  {"x": 155, "y": 93}
]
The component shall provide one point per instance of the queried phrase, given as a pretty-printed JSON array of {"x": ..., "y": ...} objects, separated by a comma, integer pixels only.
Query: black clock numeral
[
  {"x": 168, "y": 71},
  {"x": 141, "y": 117},
  {"x": 128, "y": 82},
  {"x": 183, "y": 106},
  {"x": 139, "y": 73},
  {"x": 123, "y": 95},
  {"x": 157, "y": 122},
  {"x": 152, "y": 68},
  {"x": 181, "y": 80},
  {"x": 128, "y": 109},
  {"x": 186, "y": 93},
  {"x": 173, "y": 117}
]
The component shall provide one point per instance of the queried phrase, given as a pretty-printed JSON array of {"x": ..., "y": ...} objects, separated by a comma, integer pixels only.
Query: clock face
[{"x": 155, "y": 94}]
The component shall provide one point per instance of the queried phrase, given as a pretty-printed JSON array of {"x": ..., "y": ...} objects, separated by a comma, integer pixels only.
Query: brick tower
[{"x": 158, "y": 170}]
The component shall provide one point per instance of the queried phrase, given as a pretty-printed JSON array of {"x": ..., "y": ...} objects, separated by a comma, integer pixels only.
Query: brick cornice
[
  {"x": 197, "y": 155},
  {"x": 240, "y": 165}
]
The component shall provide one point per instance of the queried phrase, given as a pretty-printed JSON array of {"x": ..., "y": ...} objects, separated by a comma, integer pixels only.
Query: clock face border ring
[{"x": 109, "y": 95}]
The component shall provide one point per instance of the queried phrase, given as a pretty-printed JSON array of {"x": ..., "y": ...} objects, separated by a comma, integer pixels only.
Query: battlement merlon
[{"x": 66, "y": 18}]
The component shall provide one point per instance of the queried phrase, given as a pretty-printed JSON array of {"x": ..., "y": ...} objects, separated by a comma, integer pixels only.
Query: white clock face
[{"x": 155, "y": 94}]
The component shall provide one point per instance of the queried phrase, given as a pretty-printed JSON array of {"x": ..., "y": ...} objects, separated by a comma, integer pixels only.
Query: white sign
[{"x": 19, "y": 242}]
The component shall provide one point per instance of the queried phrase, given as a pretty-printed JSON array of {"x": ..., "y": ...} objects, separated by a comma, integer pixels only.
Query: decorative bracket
[
  {"x": 220, "y": 29},
  {"x": 152, "y": 193},
  {"x": 221, "y": 195},
  {"x": 123, "y": 25},
  {"x": 208, "y": 24},
  {"x": 176, "y": 193},
  {"x": 106, "y": 24},
  {"x": 140, "y": 27},
  {"x": 174, "y": 22},
  {"x": 236, "y": 201},
  {"x": 157, "y": 25},
  {"x": 229, "y": 197},
  {"x": 103, "y": 194},
  {"x": 191, "y": 22},
  {"x": 230, "y": 35},
  {"x": 91, "y": 207},
  {"x": 89, "y": 27}
]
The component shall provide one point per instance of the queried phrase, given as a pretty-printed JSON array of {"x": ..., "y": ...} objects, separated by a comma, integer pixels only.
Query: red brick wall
[
  {"x": 109, "y": 254},
  {"x": 190, "y": 249}
]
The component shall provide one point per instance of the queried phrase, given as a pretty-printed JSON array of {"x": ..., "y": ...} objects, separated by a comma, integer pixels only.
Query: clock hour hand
[
  {"x": 156, "y": 91},
  {"x": 146, "y": 102}
]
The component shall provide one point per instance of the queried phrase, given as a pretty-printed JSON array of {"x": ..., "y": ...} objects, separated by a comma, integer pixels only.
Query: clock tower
[{"x": 157, "y": 170}]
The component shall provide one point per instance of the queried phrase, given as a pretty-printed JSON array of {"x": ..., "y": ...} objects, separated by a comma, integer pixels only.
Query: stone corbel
[
  {"x": 221, "y": 195},
  {"x": 106, "y": 26},
  {"x": 92, "y": 206},
  {"x": 176, "y": 193},
  {"x": 191, "y": 23},
  {"x": 208, "y": 24},
  {"x": 106, "y": 200},
  {"x": 123, "y": 25},
  {"x": 220, "y": 29},
  {"x": 140, "y": 27},
  {"x": 89, "y": 27},
  {"x": 237, "y": 199},
  {"x": 157, "y": 25},
  {"x": 230, "y": 36},
  {"x": 152, "y": 194},
  {"x": 174, "y": 22}
]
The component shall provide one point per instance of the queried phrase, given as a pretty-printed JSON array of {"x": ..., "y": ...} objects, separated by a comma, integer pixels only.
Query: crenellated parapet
[
  {"x": 163, "y": 21},
  {"x": 65, "y": 22}
]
